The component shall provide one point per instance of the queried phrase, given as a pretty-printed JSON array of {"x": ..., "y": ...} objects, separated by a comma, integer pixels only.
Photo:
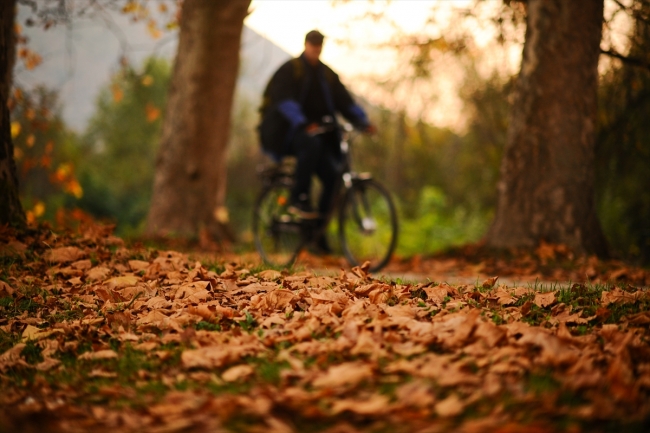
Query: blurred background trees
[{"x": 443, "y": 178}]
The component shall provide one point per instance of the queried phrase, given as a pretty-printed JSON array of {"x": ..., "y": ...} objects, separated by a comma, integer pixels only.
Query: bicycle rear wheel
[
  {"x": 368, "y": 224},
  {"x": 278, "y": 236}
]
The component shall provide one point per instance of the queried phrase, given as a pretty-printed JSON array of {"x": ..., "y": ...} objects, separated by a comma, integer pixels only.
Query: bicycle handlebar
[{"x": 322, "y": 128}]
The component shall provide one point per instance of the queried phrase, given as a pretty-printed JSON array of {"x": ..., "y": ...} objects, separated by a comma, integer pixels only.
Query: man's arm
[
  {"x": 285, "y": 91},
  {"x": 345, "y": 104}
]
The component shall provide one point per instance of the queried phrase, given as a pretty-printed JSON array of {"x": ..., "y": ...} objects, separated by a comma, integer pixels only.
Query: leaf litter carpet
[{"x": 95, "y": 336}]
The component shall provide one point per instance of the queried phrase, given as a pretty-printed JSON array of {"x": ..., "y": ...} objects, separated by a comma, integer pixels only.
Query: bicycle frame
[{"x": 356, "y": 207}]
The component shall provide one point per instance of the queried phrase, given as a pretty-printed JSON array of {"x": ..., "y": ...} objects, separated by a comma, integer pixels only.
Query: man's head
[{"x": 313, "y": 46}]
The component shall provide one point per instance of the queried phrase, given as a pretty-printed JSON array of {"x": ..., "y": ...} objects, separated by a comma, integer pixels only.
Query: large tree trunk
[
  {"x": 190, "y": 181},
  {"x": 546, "y": 191},
  {"x": 10, "y": 209}
]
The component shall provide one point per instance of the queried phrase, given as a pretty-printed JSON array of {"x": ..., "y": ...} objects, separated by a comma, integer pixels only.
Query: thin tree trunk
[
  {"x": 190, "y": 181},
  {"x": 11, "y": 211},
  {"x": 546, "y": 191}
]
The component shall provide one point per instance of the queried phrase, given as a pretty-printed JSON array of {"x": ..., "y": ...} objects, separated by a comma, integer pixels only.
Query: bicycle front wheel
[
  {"x": 278, "y": 236},
  {"x": 368, "y": 224}
]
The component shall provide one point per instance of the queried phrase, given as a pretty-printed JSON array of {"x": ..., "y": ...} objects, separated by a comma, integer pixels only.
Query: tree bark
[
  {"x": 190, "y": 182},
  {"x": 546, "y": 191},
  {"x": 11, "y": 212}
]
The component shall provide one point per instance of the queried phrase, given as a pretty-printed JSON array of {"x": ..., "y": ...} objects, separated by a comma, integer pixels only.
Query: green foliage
[
  {"x": 436, "y": 226},
  {"x": 122, "y": 140},
  {"x": 46, "y": 152}
]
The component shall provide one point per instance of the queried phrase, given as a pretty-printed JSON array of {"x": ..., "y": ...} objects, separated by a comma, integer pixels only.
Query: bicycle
[{"x": 367, "y": 218}]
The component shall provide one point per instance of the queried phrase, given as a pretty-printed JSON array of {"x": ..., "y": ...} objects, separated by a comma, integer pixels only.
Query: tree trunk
[
  {"x": 190, "y": 182},
  {"x": 11, "y": 212},
  {"x": 546, "y": 191}
]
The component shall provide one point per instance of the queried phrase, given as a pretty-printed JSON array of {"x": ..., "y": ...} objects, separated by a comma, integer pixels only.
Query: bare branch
[{"x": 635, "y": 61}]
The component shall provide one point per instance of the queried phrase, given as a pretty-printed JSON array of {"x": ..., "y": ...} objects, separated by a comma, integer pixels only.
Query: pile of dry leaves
[{"x": 96, "y": 336}]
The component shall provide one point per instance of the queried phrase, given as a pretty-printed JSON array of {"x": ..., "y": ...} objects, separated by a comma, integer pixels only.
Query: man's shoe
[{"x": 303, "y": 211}]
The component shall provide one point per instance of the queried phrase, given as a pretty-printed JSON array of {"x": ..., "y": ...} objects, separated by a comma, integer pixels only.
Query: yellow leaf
[
  {"x": 39, "y": 209},
  {"x": 131, "y": 6},
  {"x": 153, "y": 30},
  {"x": 18, "y": 153},
  {"x": 15, "y": 129},
  {"x": 34, "y": 333},
  {"x": 74, "y": 188},
  {"x": 147, "y": 80},
  {"x": 152, "y": 112},
  {"x": 118, "y": 93},
  {"x": 32, "y": 60},
  {"x": 30, "y": 140}
]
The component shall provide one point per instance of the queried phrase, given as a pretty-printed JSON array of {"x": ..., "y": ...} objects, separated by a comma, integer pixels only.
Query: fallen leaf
[
  {"x": 269, "y": 275},
  {"x": 349, "y": 373},
  {"x": 489, "y": 283},
  {"x": 6, "y": 289},
  {"x": 100, "y": 354},
  {"x": 374, "y": 405},
  {"x": 437, "y": 294},
  {"x": 238, "y": 372},
  {"x": 544, "y": 300},
  {"x": 97, "y": 273},
  {"x": 34, "y": 333},
  {"x": 47, "y": 364},
  {"x": 64, "y": 254},
  {"x": 121, "y": 281},
  {"x": 449, "y": 407},
  {"x": 138, "y": 265}
]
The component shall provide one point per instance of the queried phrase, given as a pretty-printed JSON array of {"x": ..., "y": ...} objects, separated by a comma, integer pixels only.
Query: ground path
[{"x": 523, "y": 271}]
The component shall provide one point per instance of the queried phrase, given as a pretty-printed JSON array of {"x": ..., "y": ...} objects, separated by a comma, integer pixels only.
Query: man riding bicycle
[{"x": 302, "y": 94}]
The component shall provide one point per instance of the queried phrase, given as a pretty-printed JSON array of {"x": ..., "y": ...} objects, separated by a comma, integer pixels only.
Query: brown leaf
[
  {"x": 121, "y": 282},
  {"x": 374, "y": 405},
  {"x": 47, "y": 364},
  {"x": 618, "y": 296},
  {"x": 347, "y": 374},
  {"x": 6, "y": 289},
  {"x": 11, "y": 356},
  {"x": 415, "y": 394},
  {"x": 489, "y": 283},
  {"x": 451, "y": 406},
  {"x": 64, "y": 254},
  {"x": 269, "y": 275},
  {"x": 12, "y": 248},
  {"x": 544, "y": 300},
  {"x": 279, "y": 299},
  {"x": 100, "y": 354},
  {"x": 437, "y": 294},
  {"x": 238, "y": 372},
  {"x": 97, "y": 273},
  {"x": 504, "y": 297},
  {"x": 82, "y": 265},
  {"x": 138, "y": 265}
]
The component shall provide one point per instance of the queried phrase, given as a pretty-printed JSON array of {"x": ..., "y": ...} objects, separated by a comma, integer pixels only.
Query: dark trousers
[{"x": 318, "y": 155}]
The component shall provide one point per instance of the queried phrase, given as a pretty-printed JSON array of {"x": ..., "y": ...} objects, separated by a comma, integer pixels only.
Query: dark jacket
[{"x": 282, "y": 111}]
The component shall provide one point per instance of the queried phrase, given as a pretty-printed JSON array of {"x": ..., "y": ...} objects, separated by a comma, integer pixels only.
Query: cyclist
[{"x": 302, "y": 94}]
